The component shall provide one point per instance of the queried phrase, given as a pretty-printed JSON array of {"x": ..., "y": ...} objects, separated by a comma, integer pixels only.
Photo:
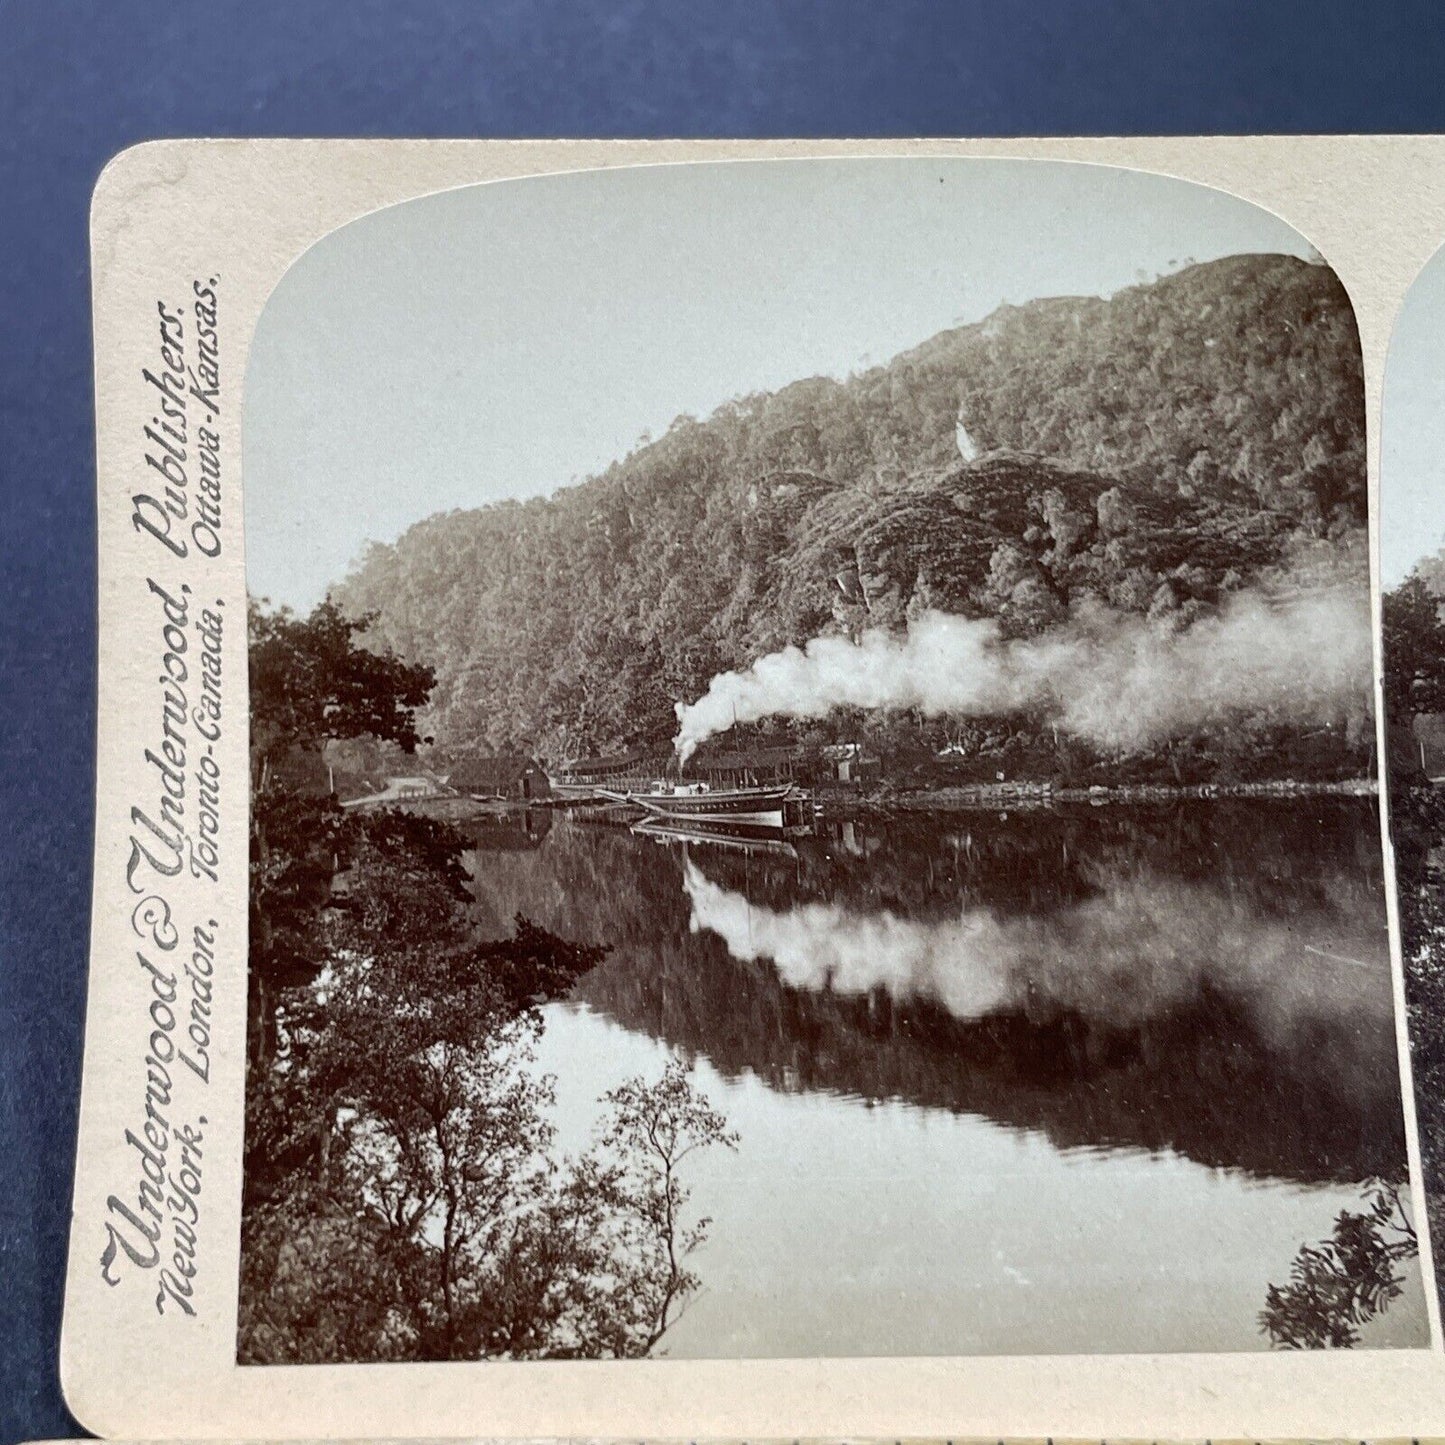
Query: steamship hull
[{"x": 763, "y": 807}]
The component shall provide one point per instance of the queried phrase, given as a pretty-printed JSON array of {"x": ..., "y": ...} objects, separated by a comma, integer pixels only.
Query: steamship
[{"x": 774, "y": 806}]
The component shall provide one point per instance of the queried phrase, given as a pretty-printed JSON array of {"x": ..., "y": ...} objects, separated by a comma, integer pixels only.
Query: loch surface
[{"x": 1047, "y": 1081}]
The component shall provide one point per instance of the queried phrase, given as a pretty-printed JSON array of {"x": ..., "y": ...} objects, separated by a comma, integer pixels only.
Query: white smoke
[
  {"x": 1118, "y": 680},
  {"x": 1141, "y": 950}
]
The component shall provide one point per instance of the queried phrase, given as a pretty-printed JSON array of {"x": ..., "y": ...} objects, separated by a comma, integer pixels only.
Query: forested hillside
[{"x": 1154, "y": 451}]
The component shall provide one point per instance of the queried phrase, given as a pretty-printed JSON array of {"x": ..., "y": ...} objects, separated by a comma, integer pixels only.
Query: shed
[
  {"x": 851, "y": 763},
  {"x": 515, "y": 778}
]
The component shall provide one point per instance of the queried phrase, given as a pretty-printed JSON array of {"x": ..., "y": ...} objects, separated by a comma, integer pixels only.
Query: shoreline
[
  {"x": 962, "y": 796},
  {"x": 1042, "y": 795}
]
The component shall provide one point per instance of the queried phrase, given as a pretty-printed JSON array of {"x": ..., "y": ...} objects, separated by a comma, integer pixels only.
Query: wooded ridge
[{"x": 1153, "y": 452}]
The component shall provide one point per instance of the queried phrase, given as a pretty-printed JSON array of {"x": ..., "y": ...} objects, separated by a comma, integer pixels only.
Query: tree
[
  {"x": 1413, "y": 637},
  {"x": 444, "y": 1227},
  {"x": 311, "y": 682},
  {"x": 652, "y": 1130},
  {"x": 402, "y": 1199},
  {"x": 453, "y": 1146},
  {"x": 1342, "y": 1283}
]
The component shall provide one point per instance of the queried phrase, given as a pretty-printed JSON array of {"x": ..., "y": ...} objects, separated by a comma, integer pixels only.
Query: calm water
[{"x": 1040, "y": 1082}]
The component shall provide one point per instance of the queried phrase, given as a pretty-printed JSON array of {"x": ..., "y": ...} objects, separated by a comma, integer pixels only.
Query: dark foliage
[
  {"x": 310, "y": 682},
  {"x": 400, "y": 1196},
  {"x": 1339, "y": 1285},
  {"x": 1413, "y": 635},
  {"x": 1414, "y": 685}
]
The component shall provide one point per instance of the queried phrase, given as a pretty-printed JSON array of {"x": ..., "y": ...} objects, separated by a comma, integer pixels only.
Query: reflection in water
[
  {"x": 1339, "y": 1285},
  {"x": 1073, "y": 1045},
  {"x": 1141, "y": 950}
]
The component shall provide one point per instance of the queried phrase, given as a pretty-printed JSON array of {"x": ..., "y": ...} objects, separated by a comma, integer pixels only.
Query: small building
[
  {"x": 753, "y": 767},
  {"x": 1416, "y": 751},
  {"x": 1428, "y": 737},
  {"x": 514, "y": 778},
  {"x": 849, "y": 763},
  {"x": 419, "y": 786}
]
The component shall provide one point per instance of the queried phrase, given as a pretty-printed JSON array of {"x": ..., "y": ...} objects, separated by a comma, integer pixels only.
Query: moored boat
[{"x": 776, "y": 806}]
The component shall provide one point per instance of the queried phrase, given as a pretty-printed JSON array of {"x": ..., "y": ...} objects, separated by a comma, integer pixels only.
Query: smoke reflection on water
[
  {"x": 1138, "y": 951},
  {"x": 930, "y": 1160}
]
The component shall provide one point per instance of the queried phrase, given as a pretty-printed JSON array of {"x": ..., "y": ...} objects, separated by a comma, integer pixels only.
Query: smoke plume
[{"x": 1117, "y": 680}]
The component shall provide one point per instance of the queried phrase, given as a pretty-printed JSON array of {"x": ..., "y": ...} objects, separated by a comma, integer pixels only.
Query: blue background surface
[{"x": 80, "y": 81}]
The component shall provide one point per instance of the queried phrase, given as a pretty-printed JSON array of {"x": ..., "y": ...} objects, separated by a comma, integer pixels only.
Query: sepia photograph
[
  {"x": 1412, "y": 583},
  {"x": 814, "y": 782}
]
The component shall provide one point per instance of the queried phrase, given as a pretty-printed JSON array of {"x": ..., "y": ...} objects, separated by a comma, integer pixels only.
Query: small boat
[{"x": 775, "y": 806}]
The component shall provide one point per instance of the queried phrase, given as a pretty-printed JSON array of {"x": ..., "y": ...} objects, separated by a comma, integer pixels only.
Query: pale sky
[
  {"x": 505, "y": 340},
  {"x": 1412, "y": 437}
]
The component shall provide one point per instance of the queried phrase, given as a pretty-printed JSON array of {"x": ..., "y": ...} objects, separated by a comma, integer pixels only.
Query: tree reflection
[
  {"x": 1113, "y": 978},
  {"x": 1340, "y": 1284}
]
